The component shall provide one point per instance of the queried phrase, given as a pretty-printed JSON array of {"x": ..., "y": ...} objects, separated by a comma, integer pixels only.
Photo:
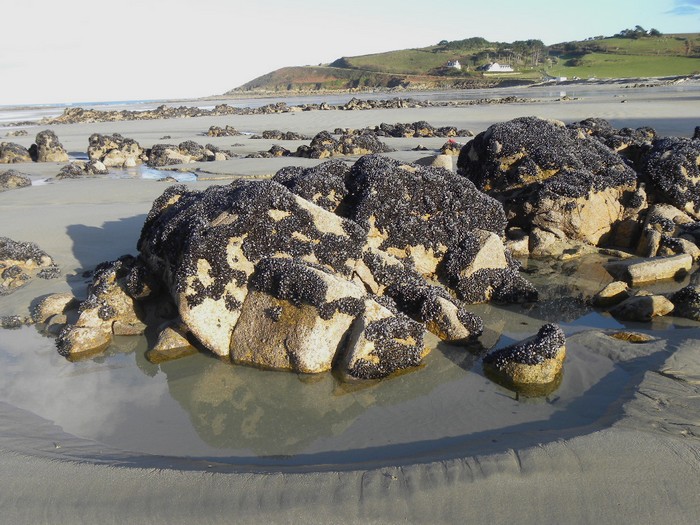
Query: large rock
[
  {"x": 12, "y": 179},
  {"x": 206, "y": 245},
  {"x": 350, "y": 275},
  {"x": 673, "y": 169},
  {"x": 115, "y": 151},
  {"x": 47, "y": 148},
  {"x": 552, "y": 178},
  {"x": 11, "y": 153}
]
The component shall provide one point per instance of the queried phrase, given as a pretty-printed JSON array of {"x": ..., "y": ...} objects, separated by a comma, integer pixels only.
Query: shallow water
[{"x": 201, "y": 407}]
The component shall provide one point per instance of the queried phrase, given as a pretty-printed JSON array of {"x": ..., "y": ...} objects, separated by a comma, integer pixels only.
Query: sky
[{"x": 67, "y": 51}]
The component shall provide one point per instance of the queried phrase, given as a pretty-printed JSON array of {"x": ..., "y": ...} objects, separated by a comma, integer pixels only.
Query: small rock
[
  {"x": 642, "y": 308},
  {"x": 636, "y": 271},
  {"x": 11, "y": 179},
  {"x": 535, "y": 362},
  {"x": 687, "y": 302},
  {"x": 612, "y": 294}
]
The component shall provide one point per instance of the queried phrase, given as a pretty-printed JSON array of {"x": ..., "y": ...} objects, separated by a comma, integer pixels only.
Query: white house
[
  {"x": 495, "y": 67},
  {"x": 455, "y": 64}
]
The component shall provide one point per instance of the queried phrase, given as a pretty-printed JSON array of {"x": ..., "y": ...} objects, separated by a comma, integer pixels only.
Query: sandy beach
[{"x": 120, "y": 440}]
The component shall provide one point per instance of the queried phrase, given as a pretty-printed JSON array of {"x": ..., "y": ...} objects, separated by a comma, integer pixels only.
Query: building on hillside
[
  {"x": 455, "y": 64},
  {"x": 495, "y": 67}
]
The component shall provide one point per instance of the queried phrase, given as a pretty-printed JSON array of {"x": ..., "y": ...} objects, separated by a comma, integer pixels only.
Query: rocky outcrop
[
  {"x": 420, "y": 129},
  {"x": 275, "y": 134},
  {"x": 12, "y": 179},
  {"x": 184, "y": 153},
  {"x": 20, "y": 262},
  {"x": 115, "y": 151},
  {"x": 558, "y": 183},
  {"x": 324, "y": 145},
  {"x": 227, "y": 131},
  {"x": 350, "y": 276},
  {"x": 532, "y": 366},
  {"x": 47, "y": 148},
  {"x": 11, "y": 153},
  {"x": 673, "y": 170},
  {"x": 79, "y": 169}
]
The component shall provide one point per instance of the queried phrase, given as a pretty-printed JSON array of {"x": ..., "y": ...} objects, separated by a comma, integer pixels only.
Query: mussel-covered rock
[
  {"x": 115, "y": 150},
  {"x": 319, "y": 267},
  {"x": 47, "y": 148},
  {"x": 673, "y": 169},
  {"x": 20, "y": 262},
  {"x": 12, "y": 179},
  {"x": 552, "y": 178},
  {"x": 533, "y": 366},
  {"x": 11, "y": 153}
]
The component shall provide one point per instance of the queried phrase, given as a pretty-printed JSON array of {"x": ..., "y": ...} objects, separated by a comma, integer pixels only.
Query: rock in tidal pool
[
  {"x": 531, "y": 367},
  {"x": 12, "y": 179}
]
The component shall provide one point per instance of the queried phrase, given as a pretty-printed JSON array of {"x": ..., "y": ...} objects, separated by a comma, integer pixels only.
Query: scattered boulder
[
  {"x": 635, "y": 271},
  {"x": 436, "y": 161},
  {"x": 115, "y": 151},
  {"x": 79, "y": 169},
  {"x": 612, "y": 294},
  {"x": 452, "y": 147},
  {"x": 184, "y": 153},
  {"x": 533, "y": 366},
  {"x": 20, "y": 262},
  {"x": 17, "y": 133},
  {"x": 275, "y": 134},
  {"x": 642, "y": 307},
  {"x": 47, "y": 148},
  {"x": 673, "y": 169},
  {"x": 12, "y": 179},
  {"x": 552, "y": 178},
  {"x": 11, "y": 153},
  {"x": 324, "y": 145},
  {"x": 228, "y": 131}
]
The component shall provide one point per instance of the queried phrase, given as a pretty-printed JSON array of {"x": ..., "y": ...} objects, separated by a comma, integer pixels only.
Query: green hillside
[{"x": 631, "y": 53}]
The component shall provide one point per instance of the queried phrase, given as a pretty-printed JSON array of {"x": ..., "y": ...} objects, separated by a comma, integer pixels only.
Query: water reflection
[{"x": 201, "y": 407}]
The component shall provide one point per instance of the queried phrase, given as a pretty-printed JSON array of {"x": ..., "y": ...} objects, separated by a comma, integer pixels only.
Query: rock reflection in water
[{"x": 281, "y": 413}]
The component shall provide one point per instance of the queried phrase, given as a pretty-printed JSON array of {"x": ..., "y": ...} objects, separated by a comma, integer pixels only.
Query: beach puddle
[{"x": 201, "y": 408}]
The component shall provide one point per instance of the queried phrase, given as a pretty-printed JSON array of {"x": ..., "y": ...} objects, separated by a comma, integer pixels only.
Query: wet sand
[{"x": 625, "y": 445}]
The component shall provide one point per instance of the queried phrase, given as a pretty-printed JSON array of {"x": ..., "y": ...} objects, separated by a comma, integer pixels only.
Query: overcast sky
[{"x": 86, "y": 50}]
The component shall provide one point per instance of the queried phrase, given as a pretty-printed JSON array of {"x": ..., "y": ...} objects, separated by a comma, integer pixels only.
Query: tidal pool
[{"x": 200, "y": 408}]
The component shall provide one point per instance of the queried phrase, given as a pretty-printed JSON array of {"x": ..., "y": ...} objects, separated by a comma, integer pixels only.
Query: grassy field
[
  {"x": 608, "y": 65},
  {"x": 665, "y": 55}
]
